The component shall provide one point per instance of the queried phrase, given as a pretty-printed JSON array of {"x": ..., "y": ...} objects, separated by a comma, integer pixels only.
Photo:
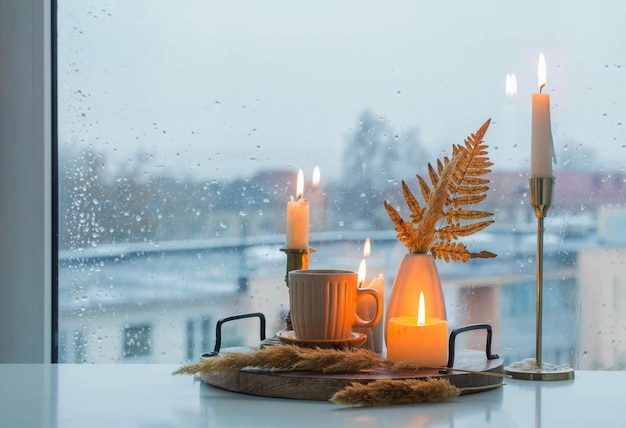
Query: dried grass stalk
[
  {"x": 388, "y": 391},
  {"x": 328, "y": 361},
  {"x": 407, "y": 391},
  {"x": 290, "y": 357}
]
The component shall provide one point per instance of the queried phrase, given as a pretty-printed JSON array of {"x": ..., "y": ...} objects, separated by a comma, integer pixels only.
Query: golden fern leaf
[
  {"x": 475, "y": 181},
  {"x": 424, "y": 188},
  {"x": 393, "y": 214},
  {"x": 405, "y": 229},
  {"x": 412, "y": 202},
  {"x": 471, "y": 190},
  {"x": 476, "y": 172},
  {"x": 441, "y": 164},
  {"x": 456, "y": 182},
  {"x": 406, "y": 234},
  {"x": 450, "y": 251},
  {"x": 434, "y": 175},
  {"x": 483, "y": 255},
  {"x": 468, "y": 199},
  {"x": 439, "y": 196},
  {"x": 438, "y": 199},
  {"x": 454, "y": 231},
  {"x": 457, "y": 214}
]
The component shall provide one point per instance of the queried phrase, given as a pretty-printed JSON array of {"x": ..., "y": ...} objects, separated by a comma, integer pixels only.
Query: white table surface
[{"x": 145, "y": 395}]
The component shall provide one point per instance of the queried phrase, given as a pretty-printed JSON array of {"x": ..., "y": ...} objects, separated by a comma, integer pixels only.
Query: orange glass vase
[{"x": 416, "y": 273}]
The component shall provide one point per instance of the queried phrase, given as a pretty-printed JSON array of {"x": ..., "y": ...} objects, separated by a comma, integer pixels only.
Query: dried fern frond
[
  {"x": 456, "y": 183},
  {"x": 471, "y": 190},
  {"x": 404, "y": 228},
  {"x": 450, "y": 251},
  {"x": 468, "y": 200},
  {"x": 424, "y": 188},
  {"x": 483, "y": 255},
  {"x": 434, "y": 175},
  {"x": 457, "y": 214},
  {"x": 455, "y": 231},
  {"x": 475, "y": 181},
  {"x": 416, "y": 209},
  {"x": 426, "y": 229}
]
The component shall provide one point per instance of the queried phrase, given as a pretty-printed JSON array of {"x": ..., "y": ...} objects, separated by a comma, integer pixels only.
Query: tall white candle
[
  {"x": 541, "y": 150},
  {"x": 298, "y": 218}
]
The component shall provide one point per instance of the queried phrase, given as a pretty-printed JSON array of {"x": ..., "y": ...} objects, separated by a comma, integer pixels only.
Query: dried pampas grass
[
  {"x": 385, "y": 392},
  {"x": 290, "y": 357},
  {"x": 328, "y": 361},
  {"x": 317, "y": 360},
  {"x": 388, "y": 391}
]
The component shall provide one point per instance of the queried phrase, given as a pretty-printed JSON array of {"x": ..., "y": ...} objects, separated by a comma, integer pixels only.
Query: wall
[{"x": 25, "y": 132}]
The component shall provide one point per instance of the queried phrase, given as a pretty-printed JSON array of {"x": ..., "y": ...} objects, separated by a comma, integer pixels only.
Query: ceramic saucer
[{"x": 288, "y": 337}]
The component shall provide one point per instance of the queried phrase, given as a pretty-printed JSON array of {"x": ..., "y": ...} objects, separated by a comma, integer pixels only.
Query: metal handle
[
  {"x": 457, "y": 331},
  {"x": 218, "y": 330}
]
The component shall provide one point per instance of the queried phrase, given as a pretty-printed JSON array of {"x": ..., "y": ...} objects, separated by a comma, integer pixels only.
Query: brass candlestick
[
  {"x": 540, "y": 200},
  {"x": 296, "y": 259}
]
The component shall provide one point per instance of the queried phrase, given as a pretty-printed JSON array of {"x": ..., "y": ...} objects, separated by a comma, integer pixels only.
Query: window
[
  {"x": 191, "y": 346},
  {"x": 137, "y": 341},
  {"x": 182, "y": 126}
]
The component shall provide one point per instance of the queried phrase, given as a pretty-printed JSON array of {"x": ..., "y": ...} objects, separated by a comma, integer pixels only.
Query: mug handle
[{"x": 360, "y": 293}]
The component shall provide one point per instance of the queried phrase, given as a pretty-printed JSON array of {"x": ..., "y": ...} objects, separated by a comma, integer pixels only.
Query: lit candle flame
[
  {"x": 367, "y": 247},
  {"x": 300, "y": 185},
  {"x": 541, "y": 72},
  {"x": 362, "y": 272},
  {"x": 316, "y": 177},
  {"x": 511, "y": 85},
  {"x": 421, "y": 311}
]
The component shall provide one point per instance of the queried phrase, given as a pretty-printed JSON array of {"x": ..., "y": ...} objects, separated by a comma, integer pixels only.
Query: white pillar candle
[
  {"x": 298, "y": 218},
  {"x": 378, "y": 330},
  {"x": 541, "y": 150},
  {"x": 366, "y": 307}
]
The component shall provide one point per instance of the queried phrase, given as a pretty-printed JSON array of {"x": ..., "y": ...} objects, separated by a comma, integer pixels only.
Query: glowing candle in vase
[
  {"x": 421, "y": 339},
  {"x": 542, "y": 148},
  {"x": 298, "y": 218}
]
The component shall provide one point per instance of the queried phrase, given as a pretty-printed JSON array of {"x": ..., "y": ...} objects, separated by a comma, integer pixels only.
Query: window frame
[{"x": 26, "y": 172}]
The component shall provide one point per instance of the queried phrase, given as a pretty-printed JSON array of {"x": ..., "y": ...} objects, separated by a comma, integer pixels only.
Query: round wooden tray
[{"x": 321, "y": 387}]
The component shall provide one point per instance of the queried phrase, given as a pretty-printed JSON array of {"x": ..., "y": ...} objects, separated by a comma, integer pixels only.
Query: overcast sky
[{"x": 221, "y": 89}]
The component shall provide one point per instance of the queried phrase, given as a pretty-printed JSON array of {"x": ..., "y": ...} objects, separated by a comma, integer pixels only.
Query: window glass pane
[
  {"x": 182, "y": 126},
  {"x": 137, "y": 341}
]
